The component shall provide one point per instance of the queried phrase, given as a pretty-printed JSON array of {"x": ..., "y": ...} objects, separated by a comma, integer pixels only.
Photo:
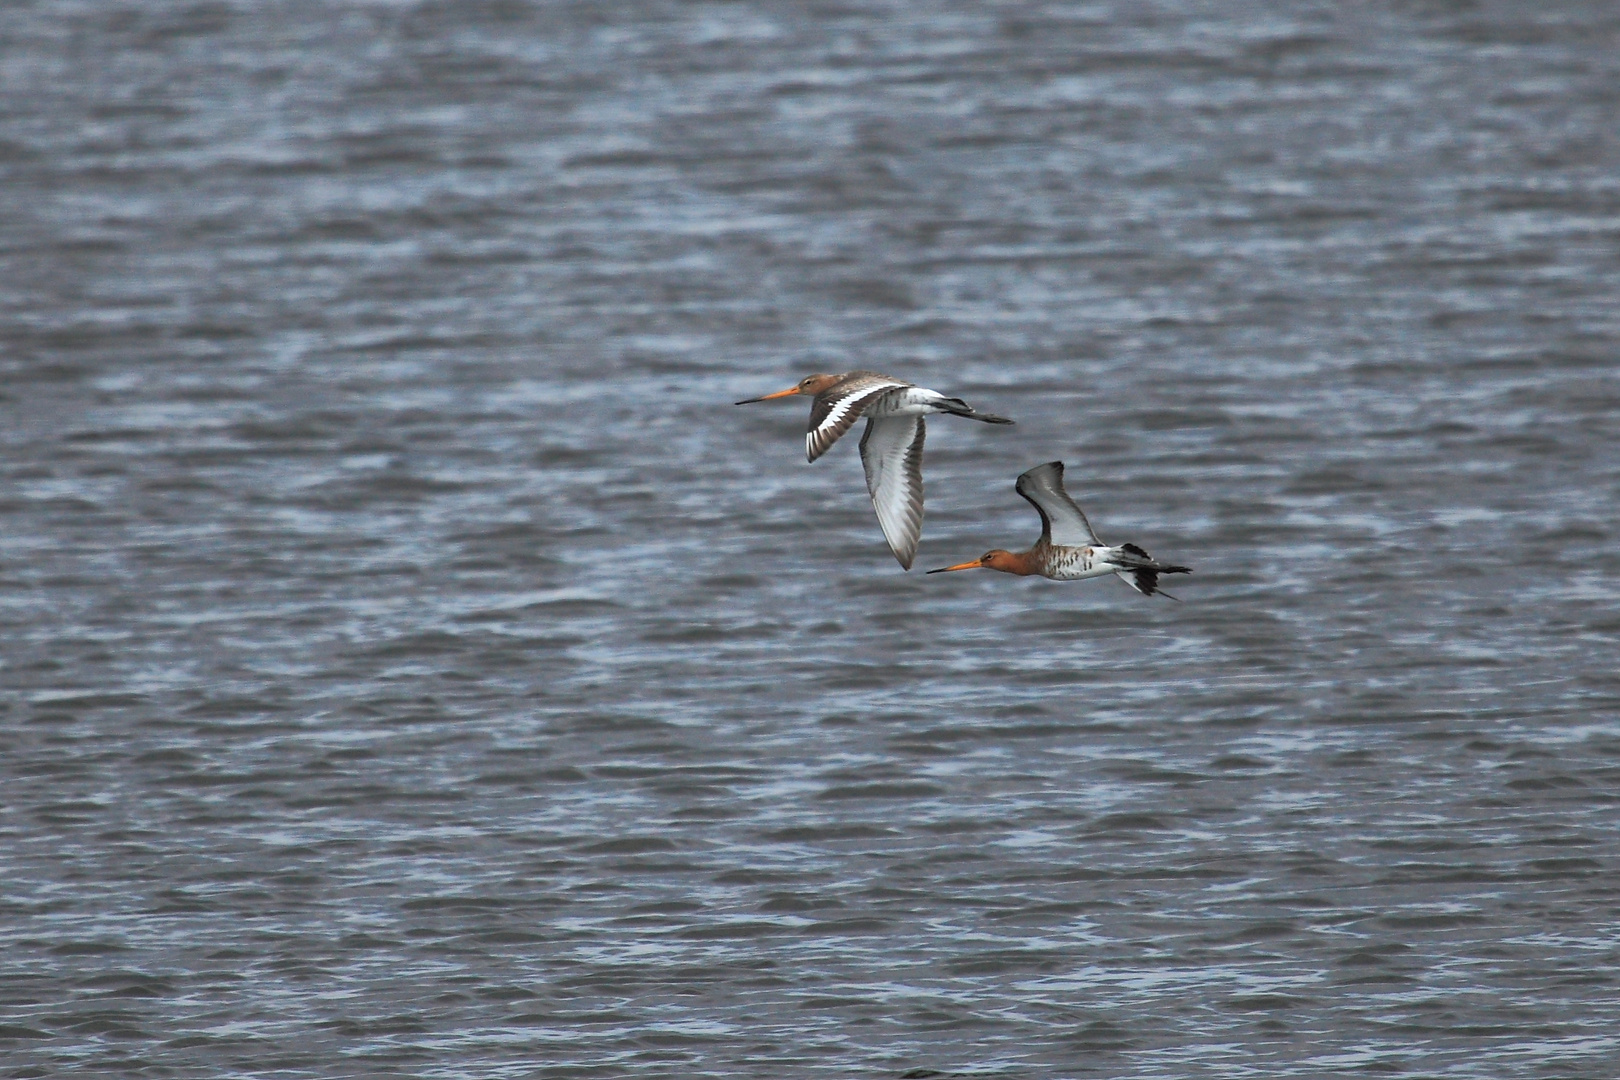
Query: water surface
[{"x": 415, "y": 666}]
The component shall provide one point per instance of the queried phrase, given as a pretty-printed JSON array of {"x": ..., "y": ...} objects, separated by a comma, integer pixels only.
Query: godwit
[
  {"x": 1068, "y": 550},
  {"x": 892, "y": 447}
]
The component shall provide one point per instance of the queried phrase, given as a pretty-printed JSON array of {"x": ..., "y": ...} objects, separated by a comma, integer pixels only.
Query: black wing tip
[{"x": 1026, "y": 477}]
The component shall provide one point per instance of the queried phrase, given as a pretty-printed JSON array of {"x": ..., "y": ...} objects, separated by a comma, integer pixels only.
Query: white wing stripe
[
  {"x": 844, "y": 412},
  {"x": 860, "y": 397},
  {"x": 828, "y": 426},
  {"x": 840, "y": 407}
]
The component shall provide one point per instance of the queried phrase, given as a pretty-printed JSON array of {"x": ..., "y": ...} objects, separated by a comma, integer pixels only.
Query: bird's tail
[
  {"x": 957, "y": 407},
  {"x": 1140, "y": 571}
]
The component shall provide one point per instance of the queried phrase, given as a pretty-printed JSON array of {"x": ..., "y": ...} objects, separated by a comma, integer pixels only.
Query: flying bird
[
  {"x": 1068, "y": 549},
  {"x": 891, "y": 449}
]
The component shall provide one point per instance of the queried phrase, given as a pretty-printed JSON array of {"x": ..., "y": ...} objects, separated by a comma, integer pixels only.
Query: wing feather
[
  {"x": 892, "y": 450},
  {"x": 835, "y": 410},
  {"x": 1063, "y": 523}
]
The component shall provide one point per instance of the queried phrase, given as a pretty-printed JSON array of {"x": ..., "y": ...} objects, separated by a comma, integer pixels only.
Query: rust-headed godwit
[{"x": 1068, "y": 549}]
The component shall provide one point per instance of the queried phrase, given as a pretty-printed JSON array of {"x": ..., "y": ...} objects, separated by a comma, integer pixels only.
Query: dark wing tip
[{"x": 1027, "y": 476}]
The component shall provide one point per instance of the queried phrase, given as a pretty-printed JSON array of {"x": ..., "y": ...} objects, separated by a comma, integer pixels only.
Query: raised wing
[
  {"x": 1063, "y": 523},
  {"x": 892, "y": 450},
  {"x": 835, "y": 410}
]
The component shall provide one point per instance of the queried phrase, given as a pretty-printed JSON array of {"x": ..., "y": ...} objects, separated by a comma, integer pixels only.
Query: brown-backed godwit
[{"x": 892, "y": 447}]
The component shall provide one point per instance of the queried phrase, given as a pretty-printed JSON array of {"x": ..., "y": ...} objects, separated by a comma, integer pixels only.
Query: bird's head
[
  {"x": 994, "y": 559},
  {"x": 810, "y": 384}
]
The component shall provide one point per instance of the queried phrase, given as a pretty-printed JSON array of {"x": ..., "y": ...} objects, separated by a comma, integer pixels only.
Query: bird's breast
[{"x": 1072, "y": 563}]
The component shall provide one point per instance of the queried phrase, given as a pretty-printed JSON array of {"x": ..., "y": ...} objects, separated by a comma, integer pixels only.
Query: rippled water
[{"x": 414, "y": 665}]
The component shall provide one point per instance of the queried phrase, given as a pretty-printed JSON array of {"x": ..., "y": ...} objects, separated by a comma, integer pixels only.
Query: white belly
[
  {"x": 1075, "y": 563},
  {"x": 906, "y": 401}
]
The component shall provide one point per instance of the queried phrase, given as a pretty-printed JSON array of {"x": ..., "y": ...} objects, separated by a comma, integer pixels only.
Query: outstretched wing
[
  {"x": 835, "y": 410},
  {"x": 1063, "y": 523},
  {"x": 892, "y": 450}
]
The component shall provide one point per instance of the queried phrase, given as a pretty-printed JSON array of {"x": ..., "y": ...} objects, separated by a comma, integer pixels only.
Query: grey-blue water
[{"x": 413, "y": 664}]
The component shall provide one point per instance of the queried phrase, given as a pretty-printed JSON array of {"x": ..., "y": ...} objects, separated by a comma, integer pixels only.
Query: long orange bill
[
  {"x": 974, "y": 565},
  {"x": 780, "y": 393}
]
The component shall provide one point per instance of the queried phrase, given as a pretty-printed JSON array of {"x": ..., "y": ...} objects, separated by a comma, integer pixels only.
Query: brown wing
[{"x": 835, "y": 410}]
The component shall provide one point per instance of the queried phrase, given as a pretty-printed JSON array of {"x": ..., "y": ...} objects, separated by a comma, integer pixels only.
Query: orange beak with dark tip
[
  {"x": 789, "y": 392},
  {"x": 976, "y": 564}
]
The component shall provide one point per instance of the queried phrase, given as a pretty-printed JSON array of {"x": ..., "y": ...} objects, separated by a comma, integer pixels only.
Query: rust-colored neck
[{"x": 1022, "y": 563}]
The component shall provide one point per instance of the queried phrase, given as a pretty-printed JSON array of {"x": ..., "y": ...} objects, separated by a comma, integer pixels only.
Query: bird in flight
[
  {"x": 891, "y": 448},
  {"x": 1068, "y": 549}
]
